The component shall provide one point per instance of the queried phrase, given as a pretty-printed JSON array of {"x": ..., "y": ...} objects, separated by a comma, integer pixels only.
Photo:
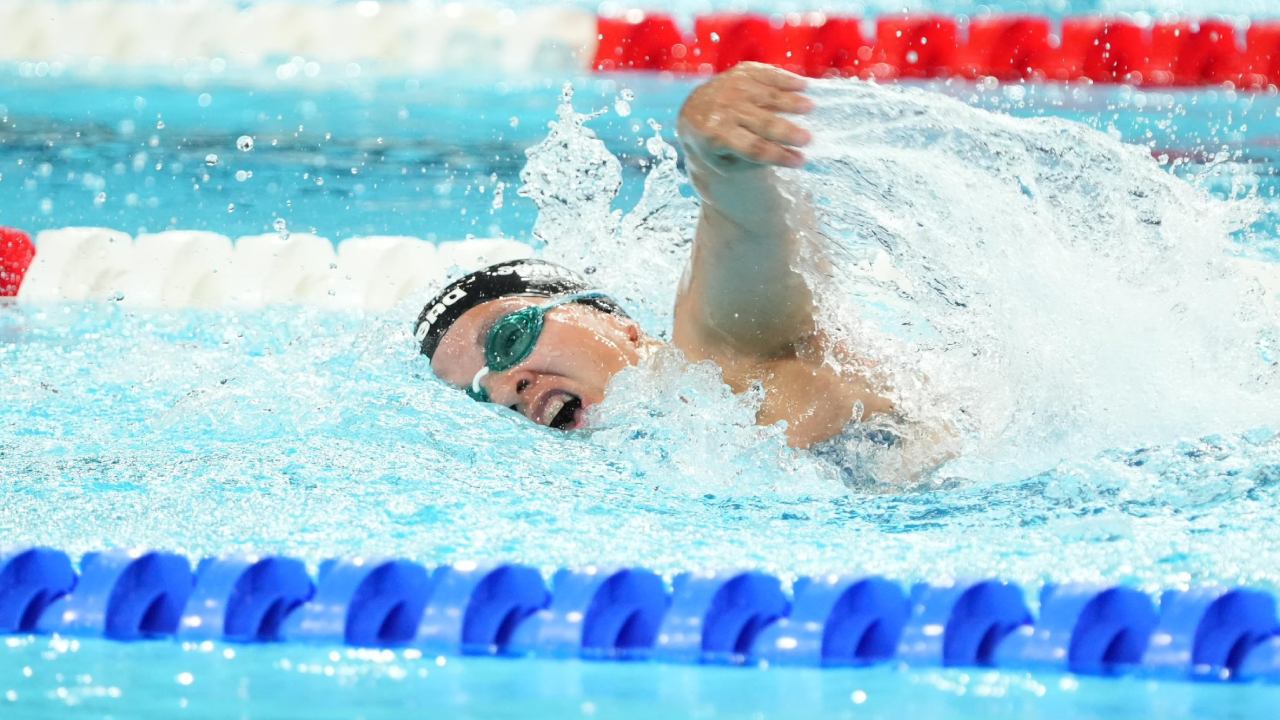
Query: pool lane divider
[
  {"x": 1007, "y": 47},
  {"x": 724, "y": 618},
  {"x": 186, "y": 268},
  {"x": 16, "y": 254}
]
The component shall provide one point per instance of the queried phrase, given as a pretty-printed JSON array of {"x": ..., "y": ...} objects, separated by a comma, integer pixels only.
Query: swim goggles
[{"x": 513, "y": 337}]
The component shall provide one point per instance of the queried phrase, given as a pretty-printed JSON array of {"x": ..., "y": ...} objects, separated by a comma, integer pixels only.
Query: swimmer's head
[{"x": 556, "y": 345}]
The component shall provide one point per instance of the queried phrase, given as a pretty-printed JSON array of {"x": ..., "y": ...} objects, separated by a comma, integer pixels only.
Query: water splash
[
  {"x": 638, "y": 256},
  {"x": 1034, "y": 288},
  {"x": 668, "y": 418},
  {"x": 322, "y": 434}
]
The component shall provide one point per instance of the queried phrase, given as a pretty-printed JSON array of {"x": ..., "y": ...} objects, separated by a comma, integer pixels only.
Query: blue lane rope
[{"x": 727, "y": 618}]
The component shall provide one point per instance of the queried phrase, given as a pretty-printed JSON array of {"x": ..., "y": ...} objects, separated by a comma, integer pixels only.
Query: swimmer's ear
[{"x": 633, "y": 333}]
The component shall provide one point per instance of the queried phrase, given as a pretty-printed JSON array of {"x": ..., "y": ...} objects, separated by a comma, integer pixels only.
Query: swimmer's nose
[{"x": 510, "y": 388}]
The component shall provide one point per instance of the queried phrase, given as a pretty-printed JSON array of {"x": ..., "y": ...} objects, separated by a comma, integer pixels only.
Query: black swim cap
[{"x": 515, "y": 277}]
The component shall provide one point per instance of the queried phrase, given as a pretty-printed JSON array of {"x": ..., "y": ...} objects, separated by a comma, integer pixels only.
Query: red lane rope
[
  {"x": 16, "y": 254},
  {"x": 1006, "y": 47}
]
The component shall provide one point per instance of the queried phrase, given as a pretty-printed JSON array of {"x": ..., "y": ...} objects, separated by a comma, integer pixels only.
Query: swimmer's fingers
[
  {"x": 746, "y": 144},
  {"x": 736, "y": 115},
  {"x": 782, "y": 101},
  {"x": 774, "y": 127},
  {"x": 772, "y": 76}
]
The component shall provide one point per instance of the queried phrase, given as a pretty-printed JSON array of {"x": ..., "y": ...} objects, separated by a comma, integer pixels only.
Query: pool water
[
  {"x": 320, "y": 434},
  {"x": 92, "y": 678}
]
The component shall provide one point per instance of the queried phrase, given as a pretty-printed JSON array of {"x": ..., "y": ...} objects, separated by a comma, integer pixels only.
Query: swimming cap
[{"x": 515, "y": 277}]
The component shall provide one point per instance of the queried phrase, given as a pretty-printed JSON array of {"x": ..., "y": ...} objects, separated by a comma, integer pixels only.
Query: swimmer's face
[{"x": 579, "y": 351}]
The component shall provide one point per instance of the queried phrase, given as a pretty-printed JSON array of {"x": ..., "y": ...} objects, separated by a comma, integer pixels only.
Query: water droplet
[
  {"x": 100, "y": 199},
  {"x": 244, "y": 143},
  {"x": 211, "y": 159},
  {"x": 159, "y": 124}
]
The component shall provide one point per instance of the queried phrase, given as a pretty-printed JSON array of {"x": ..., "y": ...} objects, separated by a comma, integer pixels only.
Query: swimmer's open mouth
[{"x": 563, "y": 410}]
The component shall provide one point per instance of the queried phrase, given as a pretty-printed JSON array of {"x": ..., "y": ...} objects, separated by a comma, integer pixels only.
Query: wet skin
[
  {"x": 740, "y": 305},
  {"x": 579, "y": 351}
]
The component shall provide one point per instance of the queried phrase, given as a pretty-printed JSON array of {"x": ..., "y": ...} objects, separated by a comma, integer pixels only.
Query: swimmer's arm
[{"x": 740, "y": 293}]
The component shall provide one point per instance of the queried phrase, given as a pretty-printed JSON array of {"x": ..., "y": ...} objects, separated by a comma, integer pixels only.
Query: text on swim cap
[{"x": 425, "y": 326}]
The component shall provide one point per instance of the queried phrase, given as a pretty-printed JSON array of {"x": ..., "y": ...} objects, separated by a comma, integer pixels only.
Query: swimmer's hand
[{"x": 735, "y": 118}]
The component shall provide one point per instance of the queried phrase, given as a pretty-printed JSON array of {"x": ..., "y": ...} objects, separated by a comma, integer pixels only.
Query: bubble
[
  {"x": 244, "y": 143},
  {"x": 231, "y": 207},
  {"x": 211, "y": 159},
  {"x": 622, "y": 105},
  {"x": 282, "y": 228},
  {"x": 242, "y": 175},
  {"x": 100, "y": 199},
  {"x": 205, "y": 100}
]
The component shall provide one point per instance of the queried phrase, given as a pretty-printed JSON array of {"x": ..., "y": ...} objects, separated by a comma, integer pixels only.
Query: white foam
[{"x": 1048, "y": 292}]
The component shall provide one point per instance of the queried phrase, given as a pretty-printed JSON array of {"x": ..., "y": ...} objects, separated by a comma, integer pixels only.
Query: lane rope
[
  {"x": 744, "y": 618},
  {"x": 195, "y": 269},
  {"x": 294, "y": 39}
]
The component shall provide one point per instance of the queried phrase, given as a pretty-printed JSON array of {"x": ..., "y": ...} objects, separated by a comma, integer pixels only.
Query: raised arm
[{"x": 740, "y": 297}]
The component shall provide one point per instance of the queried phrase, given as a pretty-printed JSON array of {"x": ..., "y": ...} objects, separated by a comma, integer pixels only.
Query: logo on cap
[{"x": 434, "y": 313}]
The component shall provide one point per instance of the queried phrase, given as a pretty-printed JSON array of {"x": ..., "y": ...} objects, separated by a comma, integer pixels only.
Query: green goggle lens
[{"x": 512, "y": 339}]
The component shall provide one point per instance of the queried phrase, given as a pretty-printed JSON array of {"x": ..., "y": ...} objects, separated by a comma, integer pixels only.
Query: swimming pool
[{"x": 317, "y": 433}]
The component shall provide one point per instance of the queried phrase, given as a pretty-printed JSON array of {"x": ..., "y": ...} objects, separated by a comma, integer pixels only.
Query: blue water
[
  {"x": 321, "y": 434},
  {"x": 74, "y": 679},
  {"x": 421, "y": 156}
]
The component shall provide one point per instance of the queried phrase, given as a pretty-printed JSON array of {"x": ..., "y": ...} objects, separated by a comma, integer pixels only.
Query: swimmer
[{"x": 537, "y": 338}]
